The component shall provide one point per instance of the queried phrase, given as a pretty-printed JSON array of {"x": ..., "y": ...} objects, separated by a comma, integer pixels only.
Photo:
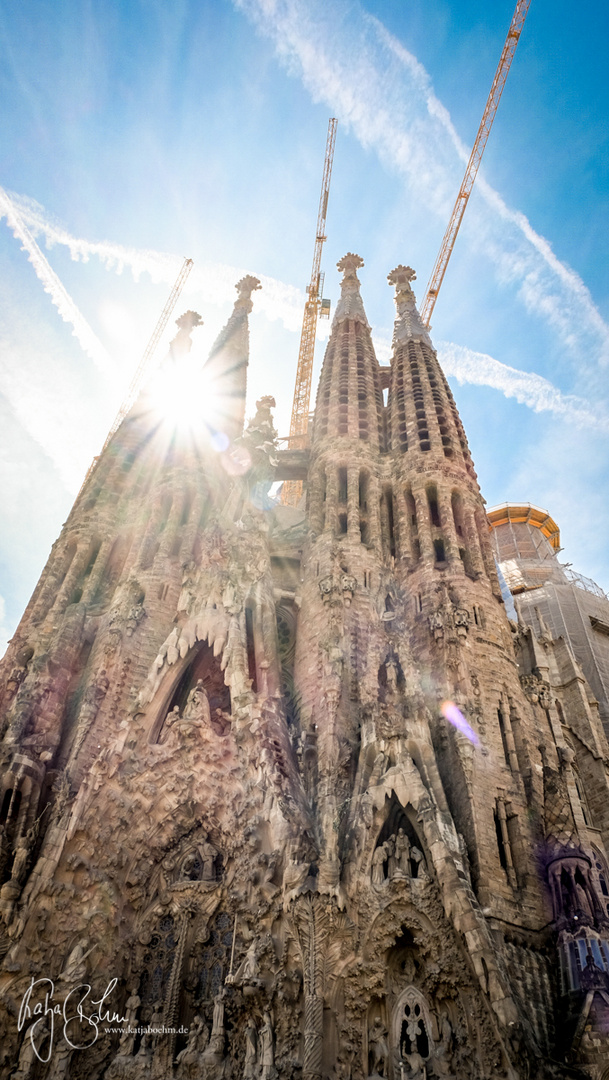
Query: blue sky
[{"x": 135, "y": 134}]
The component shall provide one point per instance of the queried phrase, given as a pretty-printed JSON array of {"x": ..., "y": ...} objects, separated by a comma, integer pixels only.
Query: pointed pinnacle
[
  {"x": 401, "y": 277},
  {"x": 349, "y": 264}
]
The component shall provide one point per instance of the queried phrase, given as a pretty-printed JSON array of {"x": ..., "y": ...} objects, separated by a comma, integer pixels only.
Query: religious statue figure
[
  {"x": 442, "y": 1050},
  {"x": 75, "y": 969},
  {"x": 419, "y": 860},
  {"x": 251, "y": 1051},
  {"x": 127, "y": 1039},
  {"x": 208, "y": 854},
  {"x": 402, "y": 853},
  {"x": 215, "y": 1050},
  {"x": 391, "y": 861},
  {"x": 197, "y": 708},
  {"x": 378, "y": 865},
  {"x": 249, "y": 969},
  {"x": 267, "y": 1053},
  {"x": 22, "y": 854},
  {"x": 416, "y": 1066},
  {"x": 188, "y": 1058},
  {"x": 33, "y": 1046},
  {"x": 378, "y": 1050}
]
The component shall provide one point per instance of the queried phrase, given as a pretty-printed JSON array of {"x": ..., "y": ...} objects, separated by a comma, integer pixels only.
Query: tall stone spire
[
  {"x": 349, "y": 399},
  {"x": 350, "y": 305},
  {"x": 408, "y": 324},
  {"x": 228, "y": 360}
]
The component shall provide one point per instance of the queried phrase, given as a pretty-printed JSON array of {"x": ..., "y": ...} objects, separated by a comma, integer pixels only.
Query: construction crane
[
  {"x": 467, "y": 184},
  {"x": 291, "y": 491},
  {"x": 143, "y": 367},
  {"x": 144, "y": 364}
]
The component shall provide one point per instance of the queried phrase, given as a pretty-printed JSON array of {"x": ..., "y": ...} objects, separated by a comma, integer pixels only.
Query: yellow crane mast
[
  {"x": 142, "y": 369},
  {"x": 291, "y": 491},
  {"x": 467, "y": 183}
]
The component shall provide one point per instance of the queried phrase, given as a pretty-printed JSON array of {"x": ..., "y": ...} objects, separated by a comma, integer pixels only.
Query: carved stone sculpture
[
  {"x": 378, "y": 1050},
  {"x": 267, "y": 1048}
]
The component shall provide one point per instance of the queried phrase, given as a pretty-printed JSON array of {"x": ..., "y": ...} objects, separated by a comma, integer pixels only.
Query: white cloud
[
  {"x": 526, "y": 387},
  {"x": 53, "y": 286},
  {"x": 380, "y": 90},
  {"x": 216, "y": 281}
]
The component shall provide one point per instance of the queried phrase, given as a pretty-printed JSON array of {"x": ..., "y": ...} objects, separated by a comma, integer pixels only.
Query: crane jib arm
[{"x": 439, "y": 270}]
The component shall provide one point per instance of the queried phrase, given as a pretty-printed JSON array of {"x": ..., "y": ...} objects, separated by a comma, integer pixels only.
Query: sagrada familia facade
[{"x": 284, "y": 792}]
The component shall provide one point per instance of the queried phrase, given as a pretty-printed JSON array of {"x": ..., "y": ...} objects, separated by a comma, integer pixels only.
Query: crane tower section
[
  {"x": 299, "y": 423},
  {"x": 471, "y": 171}
]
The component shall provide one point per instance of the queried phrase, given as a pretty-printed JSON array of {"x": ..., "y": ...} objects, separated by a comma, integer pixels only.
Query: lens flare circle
[{"x": 453, "y": 714}]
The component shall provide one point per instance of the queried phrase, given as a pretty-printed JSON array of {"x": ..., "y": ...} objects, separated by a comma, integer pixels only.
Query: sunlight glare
[{"x": 183, "y": 395}]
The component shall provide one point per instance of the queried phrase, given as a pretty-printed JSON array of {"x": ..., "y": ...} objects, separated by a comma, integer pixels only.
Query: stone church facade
[{"x": 284, "y": 793}]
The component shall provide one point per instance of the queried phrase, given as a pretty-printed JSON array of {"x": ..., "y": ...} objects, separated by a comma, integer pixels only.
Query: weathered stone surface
[{"x": 286, "y": 789}]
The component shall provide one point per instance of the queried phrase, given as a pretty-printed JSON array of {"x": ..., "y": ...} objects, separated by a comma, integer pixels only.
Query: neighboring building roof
[{"x": 525, "y": 514}]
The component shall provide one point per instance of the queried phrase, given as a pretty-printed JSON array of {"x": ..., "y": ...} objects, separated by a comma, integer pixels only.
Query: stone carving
[
  {"x": 251, "y": 1051},
  {"x": 33, "y": 1048},
  {"x": 402, "y": 853},
  {"x": 378, "y": 1050},
  {"x": 215, "y": 1050},
  {"x": 537, "y": 690},
  {"x": 419, "y": 860},
  {"x": 348, "y": 586},
  {"x": 189, "y": 1059},
  {"x": 19, "y": 671},
  {"x": 378, "y": 864},
  {"x": 449, "y": 620},
  {"x": 267, "y": 1048},
  {"x": 75, "y": 968}
]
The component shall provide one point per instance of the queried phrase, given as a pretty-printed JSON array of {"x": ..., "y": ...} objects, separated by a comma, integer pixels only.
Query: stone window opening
[
  {"x": 67, "y": 562},
  {"x": 166, "y": 501},
  {"x": 440, "y": 551},
  {"x": 503, "y": 732},
  {"x": 434, "y": 512},
  {"x": 583, "y": 801},
  {"x": 342, "y": 524},
  {"x": 387, "y": 523},
  {"x": 419, "y": 603},
  {"x": 250, "y": 647},
  {"x": 363, "y": 506},
  {"x": 11, "y": 805},
  {"x": 479, "y": 616},
  {"x": 94, "y": 552},
  {"x": 163, "y": 590},
  {"x": 412, "y": 1025},
  {"x": 342, "y": 485}
]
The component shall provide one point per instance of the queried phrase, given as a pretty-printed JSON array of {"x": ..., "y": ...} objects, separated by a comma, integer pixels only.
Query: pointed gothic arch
[{"x": 199, "y": 664}]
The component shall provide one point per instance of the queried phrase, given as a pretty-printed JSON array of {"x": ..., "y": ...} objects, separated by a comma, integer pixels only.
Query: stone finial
[
  {"x": 401, "y": 278},
  {"x": 187, "y": 322},
  {"x": 245, "y": 288},
  {"x": 349, "y": 264}
]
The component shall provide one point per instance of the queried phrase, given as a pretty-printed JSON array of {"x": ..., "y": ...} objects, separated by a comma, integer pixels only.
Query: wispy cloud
[
  {"x": 53, "y": 286},
  {"x": 347, "y": 59},
  {"x": 526, "y": 387},
  {"x": 216, "y": 281}
]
